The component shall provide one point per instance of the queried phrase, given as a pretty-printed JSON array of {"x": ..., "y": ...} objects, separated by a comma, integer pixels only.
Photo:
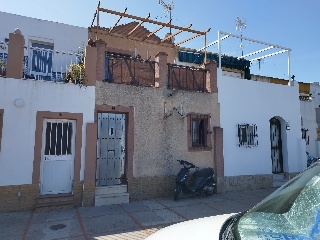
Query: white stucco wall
[
  {"x": 19, "y": 124},
  {"x": 308, "y": 113},
  {"x": 315, "y": 91},
  {"x": 64, "y": 37},
  {"x": 309, "y": 119},
  {"x": 253, "y": 102}
]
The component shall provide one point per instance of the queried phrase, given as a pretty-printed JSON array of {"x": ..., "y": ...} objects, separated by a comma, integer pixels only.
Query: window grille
[
  {"x": 199, "y": 132},
  {"x": 247, "y": 135},
  {"x": 58, "y": 138}
]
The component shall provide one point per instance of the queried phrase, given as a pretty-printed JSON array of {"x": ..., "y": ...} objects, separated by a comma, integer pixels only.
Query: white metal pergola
[{"x": 278, "y": 49}]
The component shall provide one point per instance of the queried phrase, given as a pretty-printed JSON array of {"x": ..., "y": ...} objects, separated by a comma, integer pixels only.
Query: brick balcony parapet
[
  {"x": 211, "y": 77},
  {"x": 15, "y": 55},
  {"x": 161, "y": 69}
]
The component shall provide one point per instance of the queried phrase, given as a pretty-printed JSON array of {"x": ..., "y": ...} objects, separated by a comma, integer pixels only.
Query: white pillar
[
  {"x": 219, "y": 50},
  {"x": 291, "y": 82}
]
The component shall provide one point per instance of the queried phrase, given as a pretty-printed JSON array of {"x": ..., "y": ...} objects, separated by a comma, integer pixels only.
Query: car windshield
[{"x": 291, "y": 212}]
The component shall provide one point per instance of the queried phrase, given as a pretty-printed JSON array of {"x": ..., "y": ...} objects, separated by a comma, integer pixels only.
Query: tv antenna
[
  {"x": 240, "y": 25},
  {"x": 168, "y": 9}
]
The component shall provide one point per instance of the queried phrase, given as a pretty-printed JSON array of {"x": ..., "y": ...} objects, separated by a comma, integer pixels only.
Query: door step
[
  {"x": 109, "y": 195},
  {"x": 279, "y": 179},
  {"x": 111, "y": 189},
  {"x": 54, "y": 202}
]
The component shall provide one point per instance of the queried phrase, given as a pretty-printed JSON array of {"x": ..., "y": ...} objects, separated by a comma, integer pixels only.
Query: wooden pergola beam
[
  {"x": 152, "y": 21},
  {"x": 138, "y": 25},
  {"x": 160, "y": 24},
  {"x": 187, "y": 39},
  {"x": 155, "y": 31},
  {"x": 94, "y": 18},
  {"x": 117, "y": 21},
  {"x": 174, "y": 34}
]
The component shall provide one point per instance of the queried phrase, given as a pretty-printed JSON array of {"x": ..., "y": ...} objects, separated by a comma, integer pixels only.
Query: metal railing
[
  {"x": 47, "y": 64},
  {"x": 53, "y": 65},
  {"x": 186, "y": 78},
  {"x": 3, "y": 58},
  {"x": 127, "y": 70}
]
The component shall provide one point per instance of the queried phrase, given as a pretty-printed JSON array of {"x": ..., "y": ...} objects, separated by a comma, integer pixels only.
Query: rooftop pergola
[
  {"x": 277, "y": 49},
  {"x": 147, "y": 19}
]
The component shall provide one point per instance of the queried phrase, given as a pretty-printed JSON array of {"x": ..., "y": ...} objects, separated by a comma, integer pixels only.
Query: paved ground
[{"x": 133, "y": 221}]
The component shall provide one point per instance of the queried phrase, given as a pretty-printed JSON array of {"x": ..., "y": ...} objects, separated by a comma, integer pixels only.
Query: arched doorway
[{"x": 276, "y": 145}]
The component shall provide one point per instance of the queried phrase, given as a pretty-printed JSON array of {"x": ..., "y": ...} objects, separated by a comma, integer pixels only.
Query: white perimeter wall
[
  {"x": 244, "y": 101},
  {"x": 308, "y": 113},
  {"x": 64, "y": 37},
  {"x": 19, "y": 124}
]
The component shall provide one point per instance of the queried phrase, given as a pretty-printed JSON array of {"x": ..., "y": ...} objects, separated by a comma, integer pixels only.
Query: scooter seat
[{"x": 203, "y": 172}]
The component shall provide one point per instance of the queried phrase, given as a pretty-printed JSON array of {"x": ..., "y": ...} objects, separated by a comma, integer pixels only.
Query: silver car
[{"x": 292, "y": 212}]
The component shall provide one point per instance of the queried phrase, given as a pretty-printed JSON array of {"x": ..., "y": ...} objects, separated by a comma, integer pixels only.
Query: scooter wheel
[
  {"x": 209, "y": 188},
  {"x": 177, "y": 192}
]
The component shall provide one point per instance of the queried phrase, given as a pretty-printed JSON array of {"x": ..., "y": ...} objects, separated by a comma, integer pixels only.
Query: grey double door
[{"x": 111, "y": 148}]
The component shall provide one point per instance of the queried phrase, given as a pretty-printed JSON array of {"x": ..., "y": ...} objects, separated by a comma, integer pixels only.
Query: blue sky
[{"x": 289, "y": 23}]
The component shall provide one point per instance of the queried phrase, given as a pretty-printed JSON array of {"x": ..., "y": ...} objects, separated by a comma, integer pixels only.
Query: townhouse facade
[
  {"x": 106, "y": 124},
  {"x": 109, "y": 135}
]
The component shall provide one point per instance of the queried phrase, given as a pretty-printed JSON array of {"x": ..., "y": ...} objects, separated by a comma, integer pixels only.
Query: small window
[
  {"x": 199, "y": 132},
  {"x": 58, "y": 138},
  {"x": 317, "y": 116},
  {"x": 41, "y": 61},
  {"x": 1, "y": 124},
  {"x": 247, "y": 135},
  {"x": 305, "y": 135}
]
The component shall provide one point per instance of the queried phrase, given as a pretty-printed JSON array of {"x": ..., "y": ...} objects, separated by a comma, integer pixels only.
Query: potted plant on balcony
[
  {"x": 2, "y": 68},
  {"x": 76, "y": 73}
]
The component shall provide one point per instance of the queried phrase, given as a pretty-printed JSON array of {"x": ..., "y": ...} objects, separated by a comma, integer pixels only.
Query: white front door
[{"x": 57, "y": 160}]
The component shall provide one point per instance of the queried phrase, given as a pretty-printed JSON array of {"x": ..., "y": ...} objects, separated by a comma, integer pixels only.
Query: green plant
[
  {"x": 2, "y": 68},
  {"x": 2, "y": 65},
  {"x": 76, "y": 73}
]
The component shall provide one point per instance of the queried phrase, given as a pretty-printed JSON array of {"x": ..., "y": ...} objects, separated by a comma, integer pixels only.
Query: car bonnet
[{"x": 202, "y": 228}]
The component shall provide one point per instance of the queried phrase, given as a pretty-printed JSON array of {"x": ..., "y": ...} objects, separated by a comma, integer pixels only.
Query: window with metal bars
[
  {"x": 58, "y": 138},
  {"x": 247, "y": 135},
  {"x": 199, "y": 132},
  {"x": 41, "y": 60}
]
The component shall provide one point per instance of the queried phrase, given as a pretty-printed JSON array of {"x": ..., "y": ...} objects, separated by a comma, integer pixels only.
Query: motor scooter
[{"x": 202, "y": 183}]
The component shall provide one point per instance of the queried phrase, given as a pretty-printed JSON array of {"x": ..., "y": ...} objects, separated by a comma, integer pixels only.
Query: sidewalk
[{"x": 133, "y": 221}]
